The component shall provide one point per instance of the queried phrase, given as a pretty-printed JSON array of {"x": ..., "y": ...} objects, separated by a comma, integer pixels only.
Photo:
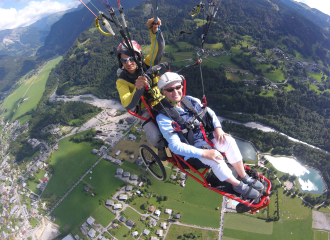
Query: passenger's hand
[
  {"x": 220, "y": 135},
  {"x": 212, "y": 154},
  {"x": 150, "y": 23},
  {"x": 140, "y": 82}
]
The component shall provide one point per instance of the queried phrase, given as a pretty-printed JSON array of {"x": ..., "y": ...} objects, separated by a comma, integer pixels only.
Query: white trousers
[{"x": 230, "y": 148}]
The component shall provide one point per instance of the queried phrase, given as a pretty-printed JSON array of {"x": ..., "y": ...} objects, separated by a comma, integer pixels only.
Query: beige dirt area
[
  {"x": 321, "y": 220},
  {"x": 288, "y": 185},
  {"x": 46, "y": 231}
]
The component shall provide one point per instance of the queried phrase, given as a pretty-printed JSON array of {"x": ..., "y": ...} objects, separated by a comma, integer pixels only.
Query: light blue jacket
[{"x": 174, "y": 142}]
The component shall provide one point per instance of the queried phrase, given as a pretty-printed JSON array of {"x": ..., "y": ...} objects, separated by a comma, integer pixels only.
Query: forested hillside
[{"x": 295, "y": 109}]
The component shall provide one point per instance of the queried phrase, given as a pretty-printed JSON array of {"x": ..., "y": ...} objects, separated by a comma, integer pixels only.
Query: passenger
[
  {"x": 131, "y": 85},
  {"x": 170, "y": 85}
]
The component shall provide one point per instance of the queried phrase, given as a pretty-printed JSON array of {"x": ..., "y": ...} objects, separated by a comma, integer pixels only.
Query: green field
[
  {"x": 215, "y": 46},
  {"x": 321, "y": 235},
  {"x": 194, "y": 193},
  {"x": 289, "y": 88},
  {"x": 316, "y": 76},
  {"x": 32, "y": 89},
  {"x": 70, "y": 215},
  {"x": 103, "y": 215},
  {"x": 268, "y": 93},
  {"x": 135, "y": 217},
  {"x": 70, "y": 162},
  {"x": 195, "y": 215},
  {"x": 248, "y": 224},
  {"x": 176, "y": 231}
]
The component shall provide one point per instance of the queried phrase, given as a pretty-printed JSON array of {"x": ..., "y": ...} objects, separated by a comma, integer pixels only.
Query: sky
[{"x": 21, "y": 13}]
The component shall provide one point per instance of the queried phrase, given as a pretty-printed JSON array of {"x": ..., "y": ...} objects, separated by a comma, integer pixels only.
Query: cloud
[
  {"x": 11, "y": 18},
  {"x": 322, "y": 5}
]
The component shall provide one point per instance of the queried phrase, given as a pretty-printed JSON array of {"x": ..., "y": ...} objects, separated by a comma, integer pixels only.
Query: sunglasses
[
  {"x": 125, "y": 60},
  {"x": 171, "y": 89}
]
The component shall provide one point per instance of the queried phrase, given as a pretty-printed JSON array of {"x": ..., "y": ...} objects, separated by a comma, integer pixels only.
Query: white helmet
[{"x": 167, "y": 78}]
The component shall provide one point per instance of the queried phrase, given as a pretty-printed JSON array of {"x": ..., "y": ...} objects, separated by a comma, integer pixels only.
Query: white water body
[{"x": 309, "y": 179}]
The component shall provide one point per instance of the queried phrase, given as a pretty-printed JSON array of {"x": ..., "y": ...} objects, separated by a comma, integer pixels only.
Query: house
[
  {"x": 123, "y": 197},
  {"x": 152, "y": 222},
  {"x": 173, "y": 177},
  {"x": 138, "y": 161},
  {"x": 154, "y": 238},
  {"x": 91, "y": 233},
  {"x": 13, "y": 210},
  {"x": 122, "y": 219},
  {"x": 95, "y": 151},
  {"x": 183, "y": 183},
  {"x": 182, "y": 176},
  {"x": 134, "y": 177},
  {"x": 168, "y": 211},
  {"x": 157, "y": 212},
  {"x": 108, "y": 158},
  {"x": 159, "y": 233},
  {"x": 90, "y": 220},
  {"x": 127, "y": 174},
  {"x": 163, "y": 225},
  {"x": 118, "y": 152},
  {"x": 103, "y": 148},
  {"x": 146, "y": 232},
  {"x": 117, "y": 162},
  {"x": 114, "y": 225},
  {"x": 131, "y": 137},
  {"x": 177, "y": 216},
  {"x": 129, "y": 188},
  {"x": 117, "y": 206},
  {"x": 151, "y": 209},
  {"x": 130, "y": 120},
  {"x": 130, "y": 223},
  {"x": 119, "y": 171},
  {"x": 109, "y": 203},
  {"x": 68, "y": 237},
  {"x": 45, "y": 179},
  {"x": 142, "y": 219},
  {"x": 39, "y": 164},
  {"x": 135, "y": 234}
]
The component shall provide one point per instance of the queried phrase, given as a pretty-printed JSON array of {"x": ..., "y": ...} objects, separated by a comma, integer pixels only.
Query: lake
[
  {"x": 247, "y": 150},
  {"x": 309, "y": 179}
]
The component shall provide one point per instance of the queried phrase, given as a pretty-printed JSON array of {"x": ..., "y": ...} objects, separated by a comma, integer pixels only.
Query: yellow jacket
[{"x": 129, "y": 95}]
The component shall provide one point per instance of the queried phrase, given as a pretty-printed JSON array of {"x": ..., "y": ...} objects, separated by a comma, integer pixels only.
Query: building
[
  {"x": 146, "y": 232},
  {"x": 118, "y": 152},
  {"x": 157, "y": 212},
  {"x": 127, "y": 174},
  {"x": 123, "y": 197},
  {"x": 109, "y": 203},
  {"x": 122, "y": 219},
  {"x": 154, "y": 238},
  {"x": 134, "y": 177},
  {"x": 95, "y": 151},
  {"x": 68, "y": 237},
  {"x": 163, "y": 225},
  {"x": 90, "y": 220},
  {"x": 168, "y": 211},
  {"x": 177, "y": 216},
  {"x": 117, "y": 162},
  {"x": 129, "y": 188},
  {"x": 135, "y": 234},
  {"x": 130, "y": 223},
  {"x": 151, "y": 209},
  {"x": 13, "y": 210},
  {"x": 152, "y": 222},
  {"x": 131, "y": 137},
  {"x": 117, "y": 206},
  {"x": 138, "y": 161},
  {"x": 130, "y": 120},
  {"x": 119, "y": 171},
  {"x": 159, "y": 233},
  {"x": 91, "y": 233}
]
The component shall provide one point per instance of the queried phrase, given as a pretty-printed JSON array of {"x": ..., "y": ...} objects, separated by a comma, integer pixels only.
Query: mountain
[
  {"x": 316, "y": 16},
  {"x": 67, "y": 29},
  {"x": 25, "y": 41}
]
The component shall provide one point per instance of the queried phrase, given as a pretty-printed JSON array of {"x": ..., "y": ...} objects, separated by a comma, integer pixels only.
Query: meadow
[
  {"x": 79, "y": 205},
  {"x": 176, "y": 231},
  {"x": 70, "y": 161},
  {"x": 32, "y": 89}
]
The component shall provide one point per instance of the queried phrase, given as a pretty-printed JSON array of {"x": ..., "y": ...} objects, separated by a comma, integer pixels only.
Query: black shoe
[{"x": 162, "y": 154}]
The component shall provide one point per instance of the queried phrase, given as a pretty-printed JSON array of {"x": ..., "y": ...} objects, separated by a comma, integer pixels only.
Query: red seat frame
[{"x": 175, "y": 161}]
